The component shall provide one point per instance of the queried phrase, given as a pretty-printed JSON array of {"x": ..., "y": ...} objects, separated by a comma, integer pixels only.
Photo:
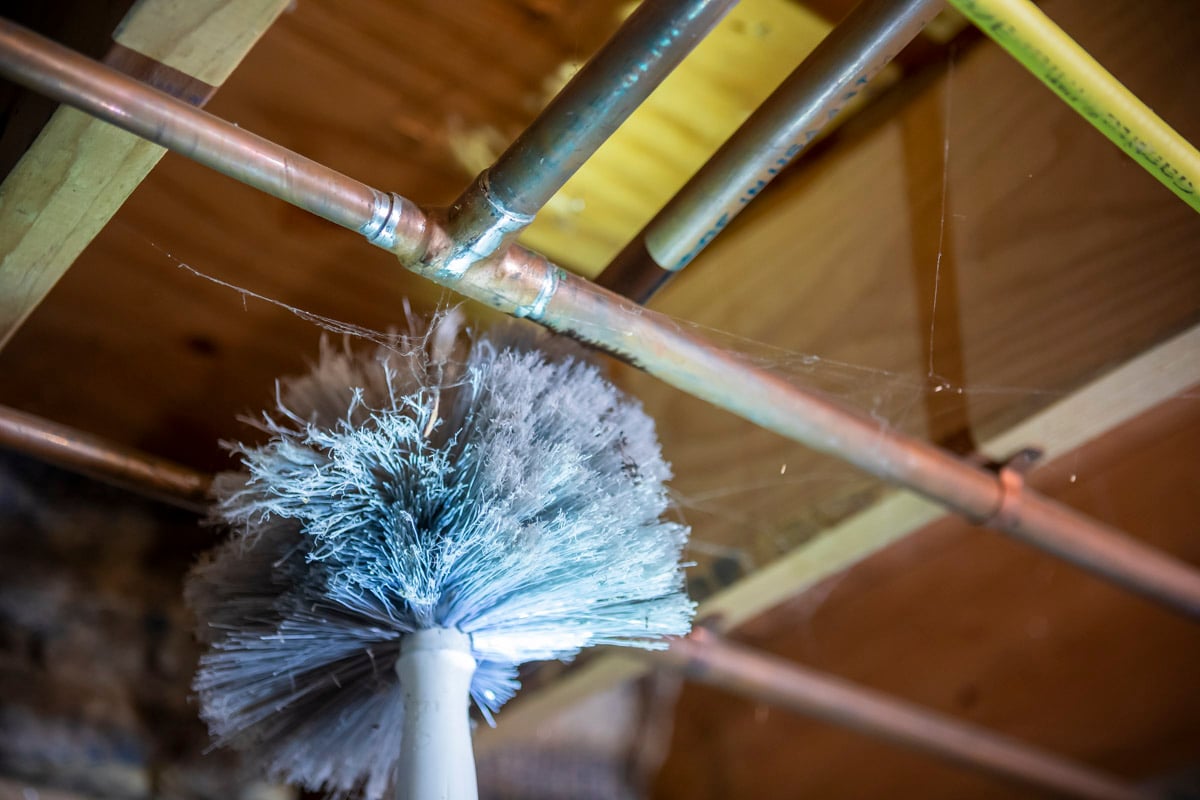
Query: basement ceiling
[{"x": 961, "y": 255}]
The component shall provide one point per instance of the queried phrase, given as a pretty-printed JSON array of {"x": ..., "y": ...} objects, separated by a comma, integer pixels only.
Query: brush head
[{"x": 487, "y": 487}]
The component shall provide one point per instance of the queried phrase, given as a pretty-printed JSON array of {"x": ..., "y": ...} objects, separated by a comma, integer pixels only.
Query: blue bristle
[{"x": 511, "y": 494}]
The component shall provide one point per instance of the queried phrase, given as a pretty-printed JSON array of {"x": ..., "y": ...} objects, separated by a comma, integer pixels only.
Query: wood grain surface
[
  {"x": 1054, "y": 260},
  {"x": 79, "y": 171},
  {"x": 986, "y": 630}
]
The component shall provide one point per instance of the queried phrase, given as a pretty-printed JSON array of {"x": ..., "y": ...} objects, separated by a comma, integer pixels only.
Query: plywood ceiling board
[
  {"x": 986, "y": 630},
  {"x": 1098, "y": 412}
]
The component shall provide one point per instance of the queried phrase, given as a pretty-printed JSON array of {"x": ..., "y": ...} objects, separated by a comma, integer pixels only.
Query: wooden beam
[
  {"x": 79, "y": 171},
  {"x": 1165, "y": 371}
]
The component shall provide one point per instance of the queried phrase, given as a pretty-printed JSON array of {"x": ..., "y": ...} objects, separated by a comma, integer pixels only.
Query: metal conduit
[
  {"x": 775, "y": 133},
  {"x": 630, "y": 65},
  {"x": 522, "y": 283}
]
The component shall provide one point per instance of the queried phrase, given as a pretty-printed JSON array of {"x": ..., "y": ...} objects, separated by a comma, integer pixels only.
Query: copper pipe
[
  {"x": 104, "y": 460},
  {"x": 706, "y": 658},
  {"x": 525, "y": 284},
  {"x": 615, "y": 81},
  {"x": 76, "y": 80},
  {"x": 862, "y": 44},
  {"x": 658, "y": 345}
]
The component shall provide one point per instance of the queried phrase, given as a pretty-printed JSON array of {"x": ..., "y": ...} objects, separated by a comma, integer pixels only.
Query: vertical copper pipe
[
  {"x": 505, "y": 197},
  {"x": 104, "y": 460},
  {"x": 870, "y": 36},
  {"x": 708, "y": 659},
  {"x": 525, "y": 284}
]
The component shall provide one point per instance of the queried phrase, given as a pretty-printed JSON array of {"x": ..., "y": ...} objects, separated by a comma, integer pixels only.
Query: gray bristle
[{"x": 497, "y": 490}]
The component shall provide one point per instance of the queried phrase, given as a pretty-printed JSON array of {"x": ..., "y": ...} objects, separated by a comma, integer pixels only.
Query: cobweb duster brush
[{"x": 422, "y": 520}]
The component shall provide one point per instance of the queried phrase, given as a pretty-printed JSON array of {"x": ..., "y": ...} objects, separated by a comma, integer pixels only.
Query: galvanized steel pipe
[
  {"x": 525, "y": 284},
  {"x": 615, "y": 81},
  {"x": 707, "y": 658},
  {"x": 870, "y": 36}
]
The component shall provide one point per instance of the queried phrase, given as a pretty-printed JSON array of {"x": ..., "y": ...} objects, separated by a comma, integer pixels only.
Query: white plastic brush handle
[{"x": 436, "y": 760}]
